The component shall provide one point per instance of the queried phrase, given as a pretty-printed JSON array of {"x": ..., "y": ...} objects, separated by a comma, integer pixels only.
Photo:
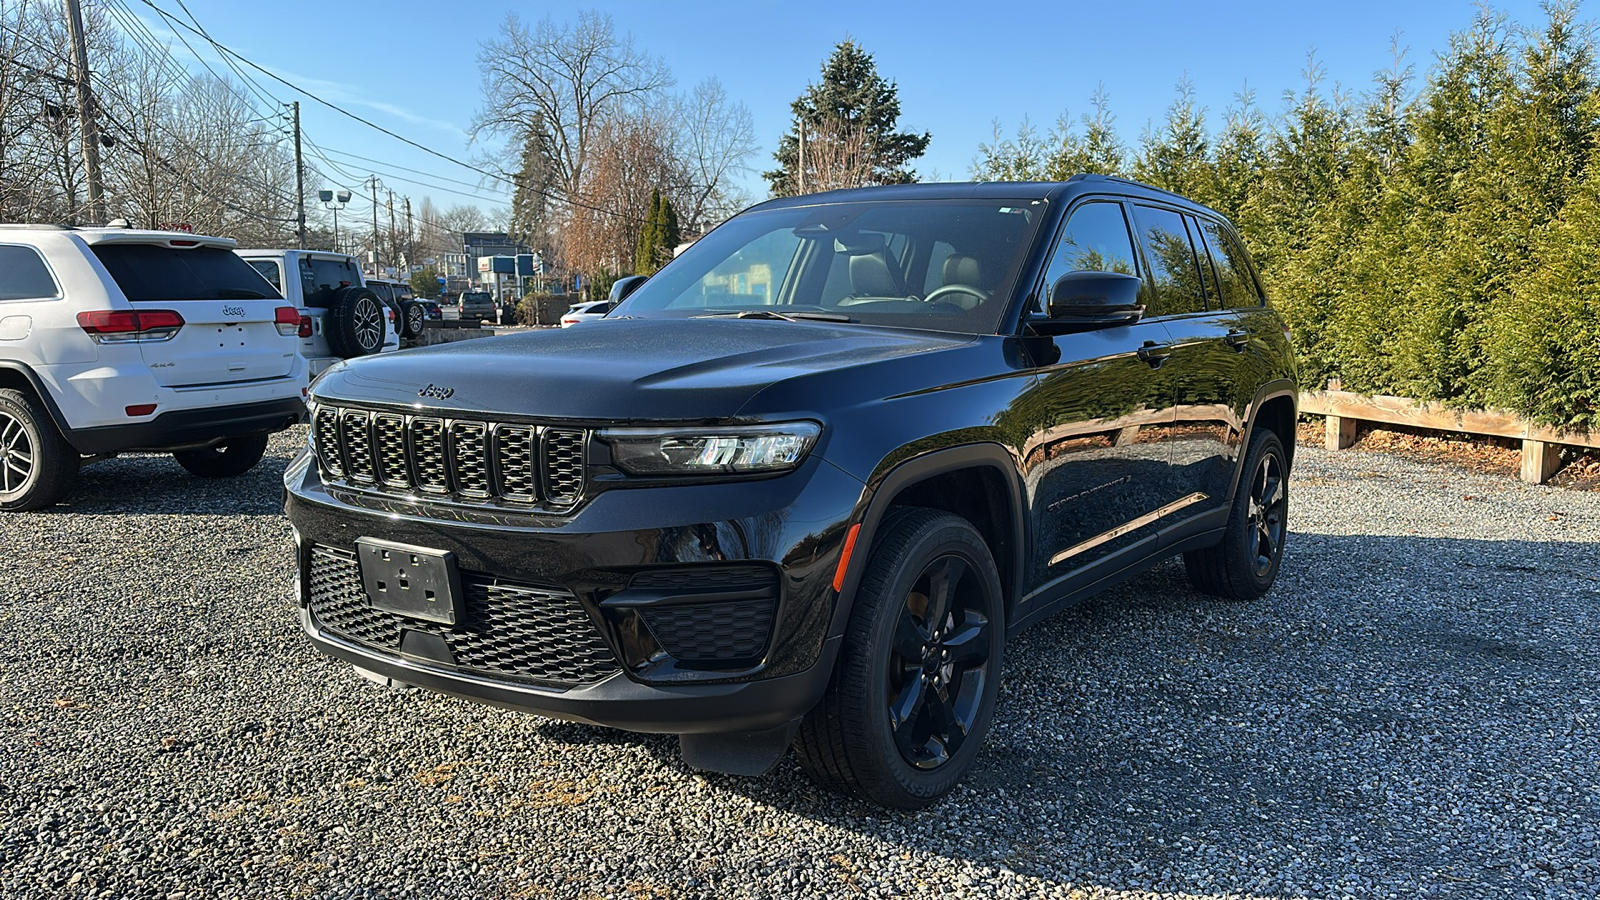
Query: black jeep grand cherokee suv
[{"x": 803, "y": 484}]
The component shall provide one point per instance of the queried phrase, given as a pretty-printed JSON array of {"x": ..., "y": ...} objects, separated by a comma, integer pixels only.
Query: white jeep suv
[
  {"x": 344, "y": 317},
  {"x": 115, "y": 340}
]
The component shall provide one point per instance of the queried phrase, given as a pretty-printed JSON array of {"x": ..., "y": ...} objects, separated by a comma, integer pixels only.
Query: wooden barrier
[{"x": 1540, "y": 454}]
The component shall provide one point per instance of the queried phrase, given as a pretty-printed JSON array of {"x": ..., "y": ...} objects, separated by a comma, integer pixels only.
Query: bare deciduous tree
[{"x": 716, "y": 138}]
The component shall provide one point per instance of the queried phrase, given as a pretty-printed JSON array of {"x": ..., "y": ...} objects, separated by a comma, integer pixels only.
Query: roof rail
[{"x": 37, "y": 226}]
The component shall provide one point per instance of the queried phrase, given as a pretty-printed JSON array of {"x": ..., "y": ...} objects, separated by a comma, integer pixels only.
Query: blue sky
[{"x": 959, "y": 66}]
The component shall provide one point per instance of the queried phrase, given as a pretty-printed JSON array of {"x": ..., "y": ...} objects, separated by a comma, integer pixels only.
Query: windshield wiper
[{"x": 786, "y": 317}]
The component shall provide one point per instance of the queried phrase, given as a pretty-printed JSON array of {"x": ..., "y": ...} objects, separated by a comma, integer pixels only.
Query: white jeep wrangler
[
  {"x": 116, "y": 340},
  {"x": 346, "y": 319}
]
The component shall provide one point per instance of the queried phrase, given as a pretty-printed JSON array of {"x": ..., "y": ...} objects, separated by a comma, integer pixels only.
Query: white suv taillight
[
  {"x": 120, "y": 326},
  {"x": 288, "y": 320}
]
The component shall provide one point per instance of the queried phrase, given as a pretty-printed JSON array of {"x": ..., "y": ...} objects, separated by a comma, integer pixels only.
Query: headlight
[{"x": 738, "y": 449}]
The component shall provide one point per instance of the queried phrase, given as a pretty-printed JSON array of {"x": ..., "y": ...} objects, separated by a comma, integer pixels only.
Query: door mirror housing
[
  {"x": 1085, "y": 301},
  {"x": 622, "y": 287}
]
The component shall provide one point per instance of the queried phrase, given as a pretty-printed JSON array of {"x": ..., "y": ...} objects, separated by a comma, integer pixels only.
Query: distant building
[{"x": 490, "y": 243}]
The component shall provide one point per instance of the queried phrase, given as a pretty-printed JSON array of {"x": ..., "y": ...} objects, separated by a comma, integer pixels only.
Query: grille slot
[
  {"x": 462, "y": 459},
  {"x": 427, "y": 454},
  {"x": 469, "y": 452},
  {"x": 327, "y": 426},
  {"x": 357, "y": 438},
  {"x": 519, "y": 473},
  {"x": 390, "y": 432},
  {"x": 563, "y": 462},
  {"x": 506, "y": 630}
]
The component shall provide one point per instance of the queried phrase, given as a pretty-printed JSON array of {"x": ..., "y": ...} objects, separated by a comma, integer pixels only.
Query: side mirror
[
  {"x": 1083, "y": 301},
  {"x": 622, "y": 287}
]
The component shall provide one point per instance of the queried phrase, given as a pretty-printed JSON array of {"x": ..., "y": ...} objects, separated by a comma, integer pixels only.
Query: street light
[{"x": 335, "y": 202}]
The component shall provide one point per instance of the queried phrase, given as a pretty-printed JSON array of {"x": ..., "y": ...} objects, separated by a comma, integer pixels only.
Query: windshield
[
  {"x": 150, "y": 272},
  {"x": 944, "y": 265}
]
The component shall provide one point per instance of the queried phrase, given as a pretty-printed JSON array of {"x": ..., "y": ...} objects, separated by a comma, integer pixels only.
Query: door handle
[
  {"x": 1238, "y": 340},
  {"x": 1155, "y": 354}
]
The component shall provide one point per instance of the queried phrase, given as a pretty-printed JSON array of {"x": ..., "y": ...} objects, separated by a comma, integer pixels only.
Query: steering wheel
[{"x": 944, "y": 294}]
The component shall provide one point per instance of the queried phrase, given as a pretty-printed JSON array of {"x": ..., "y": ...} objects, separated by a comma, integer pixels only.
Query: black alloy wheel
[
  {"x": 940, "y": 665},
  {"x": 918, "y": 675},
  {"x": 1244, "y": 564},
  {"x": 1268, "y": 512}
]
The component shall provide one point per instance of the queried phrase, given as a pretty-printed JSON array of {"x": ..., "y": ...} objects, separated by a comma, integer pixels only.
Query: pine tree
[
  {"x": 1177, "y": 156},
  {"x": 848, "y": 120},
  {"x": 644, "y": 258}
]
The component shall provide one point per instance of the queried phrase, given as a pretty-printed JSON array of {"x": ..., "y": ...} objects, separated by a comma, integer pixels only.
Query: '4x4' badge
[{"x": 436, "y": 392}]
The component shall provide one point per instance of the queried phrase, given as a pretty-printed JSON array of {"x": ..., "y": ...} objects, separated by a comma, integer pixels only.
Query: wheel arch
[
  {"x": 959, "y": 480},
  {"x": 19, "y": 376},
  {"x": 1276, "y": 407}
]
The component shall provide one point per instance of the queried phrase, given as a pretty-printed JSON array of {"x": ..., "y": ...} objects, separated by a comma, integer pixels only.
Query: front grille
[
  {"x": 506, "y": 630},
  {"x": 460, "y": 459}
]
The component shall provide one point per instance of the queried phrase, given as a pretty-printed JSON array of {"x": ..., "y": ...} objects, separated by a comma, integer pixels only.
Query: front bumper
[{"x": 594, "y": 559}]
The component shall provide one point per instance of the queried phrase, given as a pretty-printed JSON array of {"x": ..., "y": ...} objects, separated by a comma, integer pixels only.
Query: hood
[{"x": 621, "y": 370}]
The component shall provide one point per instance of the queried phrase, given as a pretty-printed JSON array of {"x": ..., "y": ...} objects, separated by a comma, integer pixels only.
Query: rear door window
[
  {"x": 1234, "y": 281},
  {"x": 381, "y": 289},
  {"x": 24, "y": 276},
  {"x": 1175, "y": 281},
  {"x": 153, "y": 273},
  {"x": 269, "y": 270},
  {"x": 320, "y": 279}
]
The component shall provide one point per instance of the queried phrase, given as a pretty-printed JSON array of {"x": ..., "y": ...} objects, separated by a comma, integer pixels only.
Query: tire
[
  {"x": 413, "y": 318},
  {"x": 850, "y": 742},
  {"x": 236, "y": 457},
  {"x": 1244, "y": 564},
  {"x": 354, "y": 323},
  {"x": 37, "y": 465}
]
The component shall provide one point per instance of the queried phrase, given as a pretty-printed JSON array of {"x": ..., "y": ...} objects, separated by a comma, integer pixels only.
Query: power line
[{"x": 222, "y": 49}]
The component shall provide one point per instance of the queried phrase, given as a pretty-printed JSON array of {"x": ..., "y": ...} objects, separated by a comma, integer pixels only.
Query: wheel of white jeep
[
  {"x": 37, "y": 466},
  {"x": 236, "y": 457}
]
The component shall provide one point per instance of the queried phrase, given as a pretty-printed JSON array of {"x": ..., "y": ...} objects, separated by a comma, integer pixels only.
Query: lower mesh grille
[
  {"x": 514, "y": 631},
  {"x": 713, "y": 632}
]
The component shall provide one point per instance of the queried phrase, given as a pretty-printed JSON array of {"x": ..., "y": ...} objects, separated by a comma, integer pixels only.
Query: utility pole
[
  {"x": 374, "y": 183},
  {"x": 411, "y": 241},
  {"x": 89, "y": 136},
  {"x": 394, "y": 244},
  {"x": 299, "y": 181}
]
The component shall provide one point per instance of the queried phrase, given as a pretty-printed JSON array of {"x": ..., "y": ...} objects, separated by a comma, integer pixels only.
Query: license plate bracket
[{"x": 411, "y": 581}]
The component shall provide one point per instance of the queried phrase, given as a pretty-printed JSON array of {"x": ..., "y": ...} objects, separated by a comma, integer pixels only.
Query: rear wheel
[
  {"x": 236, "y": 457},
  {"x": 917, "y": 678},
  {"x": 1244, "y": 564},
  {"x": 37, "y": 465}
]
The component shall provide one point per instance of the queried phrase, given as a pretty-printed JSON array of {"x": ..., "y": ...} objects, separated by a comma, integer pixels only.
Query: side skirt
[{"x": 1194, "y": 533}]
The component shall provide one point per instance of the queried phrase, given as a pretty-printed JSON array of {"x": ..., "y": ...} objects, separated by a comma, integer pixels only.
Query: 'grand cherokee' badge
[{"x": 436, "y": 392}]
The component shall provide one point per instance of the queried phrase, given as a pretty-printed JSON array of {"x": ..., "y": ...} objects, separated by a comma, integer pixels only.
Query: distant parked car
[
  {"x": 431, "y": 310},
  {"x": 476, "y": 306},
  {"x": 346, "y": 319},
  {"x": 116, "y": 340},
  {"x": 593, "y": 311}
]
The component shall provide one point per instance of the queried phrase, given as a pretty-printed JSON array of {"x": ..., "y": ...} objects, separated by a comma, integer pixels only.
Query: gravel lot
[{"x": 1411, "y": 713}]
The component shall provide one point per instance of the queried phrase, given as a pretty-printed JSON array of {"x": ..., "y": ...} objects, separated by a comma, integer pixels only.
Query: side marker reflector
[{"x": 844, "y": 558}]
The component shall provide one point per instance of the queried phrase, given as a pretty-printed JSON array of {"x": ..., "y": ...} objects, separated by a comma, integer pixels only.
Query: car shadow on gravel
[
  {"x": 1403, "y": 712},
  {"x": 154, "y": 484}
]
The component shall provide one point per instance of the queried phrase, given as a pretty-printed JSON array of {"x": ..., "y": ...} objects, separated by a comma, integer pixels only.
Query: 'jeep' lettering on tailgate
[{"x": 233, "y": 310}]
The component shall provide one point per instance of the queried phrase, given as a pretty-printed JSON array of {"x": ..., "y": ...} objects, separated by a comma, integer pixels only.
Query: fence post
[
  {"x": 1539, "y": 460},
  {"x": 1341, "y": 432}
]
